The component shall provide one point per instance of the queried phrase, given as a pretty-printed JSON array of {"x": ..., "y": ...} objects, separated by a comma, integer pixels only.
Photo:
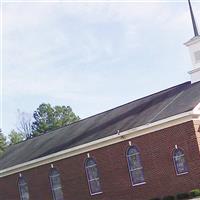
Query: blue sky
[{"x": 91, "y": 56}]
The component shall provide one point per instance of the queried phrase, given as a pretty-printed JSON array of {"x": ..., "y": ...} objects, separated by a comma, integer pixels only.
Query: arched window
[
  {"x": 92, "y": 176},
  {"x": 23, "y": 188},
  {"x": 56, "y": 187},
  {"x": 134, "y": 166},
  {"x": 180, "y": 162}
]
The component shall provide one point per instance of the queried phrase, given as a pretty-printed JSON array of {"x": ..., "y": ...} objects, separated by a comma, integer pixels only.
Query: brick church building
[{"x": 147, "y": 148}]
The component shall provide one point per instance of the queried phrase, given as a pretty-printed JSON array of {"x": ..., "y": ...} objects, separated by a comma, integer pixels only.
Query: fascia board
[{"x": 192, "y": 41}]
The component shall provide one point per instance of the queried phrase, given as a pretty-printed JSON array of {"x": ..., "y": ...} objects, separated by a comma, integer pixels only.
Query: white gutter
[{"x": 119, "y": 137}]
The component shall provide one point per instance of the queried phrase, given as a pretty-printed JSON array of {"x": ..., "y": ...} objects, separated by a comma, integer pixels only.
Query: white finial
[
  {"x": 88, "y": 155},
  {"x": 130, "y": 143}
]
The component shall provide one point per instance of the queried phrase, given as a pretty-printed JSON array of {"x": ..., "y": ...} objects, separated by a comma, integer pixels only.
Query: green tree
[
  {"x": 47, "y": 118},
  {"x": 15, "y": 137},
  {"x": 3, "y": 143}
]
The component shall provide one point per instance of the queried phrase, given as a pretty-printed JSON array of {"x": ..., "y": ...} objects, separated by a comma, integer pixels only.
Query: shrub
[
  {"x": 195, "y": 193},
  {"x": 182, "y": 196},
  {"x": 156, "y": 198},
  {"x": 168, "y": 198}
]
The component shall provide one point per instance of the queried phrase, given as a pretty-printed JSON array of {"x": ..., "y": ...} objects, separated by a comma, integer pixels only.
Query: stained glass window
[
  {"x": 92, "y": 176},
  {"x": 56, "y": 186},
  {"x": 180, "y": 162},
  {"x": 135, "y": 166},
  {"x": 23, "y": 189}
]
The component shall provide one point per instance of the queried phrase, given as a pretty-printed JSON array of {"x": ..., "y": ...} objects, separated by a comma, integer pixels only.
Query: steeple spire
[
  {"x": 194, "y": 49},
  {"x": 193, "y": 20}
]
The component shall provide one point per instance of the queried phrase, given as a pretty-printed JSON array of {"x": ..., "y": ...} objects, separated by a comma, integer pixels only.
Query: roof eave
[
  {"x": 192, "y": 41},
  {"x": 121, "y": 136}
]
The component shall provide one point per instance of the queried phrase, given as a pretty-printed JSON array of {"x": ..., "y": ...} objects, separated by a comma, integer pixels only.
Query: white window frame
[
  {"x": 139, "y": 168},
  {"x": 20, "y": 188},
  {"x": 53, "y": 189},
  {"x": 174, "y": 162},
  {"x": 90, "y": 180}
]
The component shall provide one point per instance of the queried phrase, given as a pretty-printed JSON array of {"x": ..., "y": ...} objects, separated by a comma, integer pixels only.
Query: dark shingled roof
[{"x": 169, "y": 102}]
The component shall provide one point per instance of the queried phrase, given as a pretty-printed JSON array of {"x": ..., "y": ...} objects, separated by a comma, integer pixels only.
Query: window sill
[
  {"x": 139, "y": 184},
  {"x": 92, "y": 194},
  {"x": 182, "y": 173}
]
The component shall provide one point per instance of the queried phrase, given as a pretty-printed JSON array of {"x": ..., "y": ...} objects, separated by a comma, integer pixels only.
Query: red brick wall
[
  {"x": 197, "y": 130},
  {"x": 156, "y": 154}
]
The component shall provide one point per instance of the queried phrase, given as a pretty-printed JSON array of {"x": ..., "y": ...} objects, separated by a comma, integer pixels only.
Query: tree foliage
[
  {"x": 47, "y": 118},
  {"x": 15, "y": 137},
  {"x": 3, "y": 143}
]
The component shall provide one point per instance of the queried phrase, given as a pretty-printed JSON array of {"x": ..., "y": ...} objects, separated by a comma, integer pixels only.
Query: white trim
[
  {"x": 90, "y": 166},
  {"x": 196, "y": 110},
  {"x": 175, "y": 162},
  {"x": 90, "y": 180},
  {"x": 94, "y": 179},
  {"x": 113, "y": 139},
  {"x": 137, "y": 184},
  {"x": 182, "y": 173},
  {"x": 95, "y": 193},
  {"x": 194, "y": 40},
  {"x": 194, "y": 70},
  {"x": 139, "y": 168}
]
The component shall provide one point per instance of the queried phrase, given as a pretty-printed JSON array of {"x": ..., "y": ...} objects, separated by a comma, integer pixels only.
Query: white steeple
[{"x": 194, "y": 50}]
